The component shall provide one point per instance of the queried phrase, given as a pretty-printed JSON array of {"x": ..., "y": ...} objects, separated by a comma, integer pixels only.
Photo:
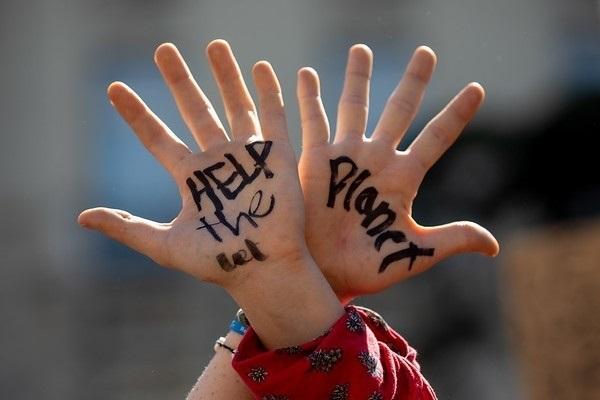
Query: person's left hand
[{"x": 358, "y": 192}]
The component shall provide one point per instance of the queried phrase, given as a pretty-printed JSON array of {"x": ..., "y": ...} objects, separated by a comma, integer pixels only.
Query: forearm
[
  {"x": 220, "y": 381},
  {"x": 290, "y": 304}
]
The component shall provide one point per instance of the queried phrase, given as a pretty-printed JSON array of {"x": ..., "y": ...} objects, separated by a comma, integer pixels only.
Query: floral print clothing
[{"x": 360, "y": 357}]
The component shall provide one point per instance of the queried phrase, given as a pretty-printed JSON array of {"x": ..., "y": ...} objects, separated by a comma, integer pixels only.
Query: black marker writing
[
  {"x": 226, "y": 187},
  {"x": 208, "y": 185},
  {"x": 253, "y": 213},
  {"x": 412, "y": 252},
  {"x": 377, "y": 219},
  {"x": 335, "y": 186},
  {"x": 241, "y": 257},
  {"x": 394, "y": 236}
]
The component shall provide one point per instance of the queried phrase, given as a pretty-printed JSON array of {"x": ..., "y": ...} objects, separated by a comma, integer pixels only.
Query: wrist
[
  {"x": 228, "y": 343},
  {"x": 288, "y": 302},
  {"x": 233, "y": 339}
]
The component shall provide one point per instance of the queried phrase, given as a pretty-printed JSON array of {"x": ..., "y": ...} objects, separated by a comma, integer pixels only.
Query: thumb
[
  {"x": 462, "y": 237},
  {"x": 145, "y": 236}
]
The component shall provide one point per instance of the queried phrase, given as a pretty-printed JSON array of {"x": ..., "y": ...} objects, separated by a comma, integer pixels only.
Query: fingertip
[
  {"x": 474, "y": 94},
  {"x": 265, "y": 78},
  {"x": 494, "y": 248},
  {"x": 478, "y": 90},
  {"x": 361, "y": 51},
  {"x": 476, "y": 85},
  {"x": 82, "y": 220},
  {"x": 308, "y": 73},
  {"x": 116, "y": 89},
  {"x": 422, "y": 64},
  {"x": 88, "y": 218},
  {"x": 262, "y": 67},
  {"x": 127, "y": 103},
  {"x": 426, "y": 52},
  {"x": 360, "y": 62},
  {"x": 485, "y": 242},
  {"x": 308, "y": 82},
  {"x": 165, "y": 52},
  {"x": 217, "y": 47},
  {"x": 113, "y": 86}
]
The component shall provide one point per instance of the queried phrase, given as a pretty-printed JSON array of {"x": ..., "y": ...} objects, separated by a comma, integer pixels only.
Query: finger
[
  {"x": 196, "y": 110},
  {"x": 152, "y": 132},
  {"x": 239, "y": 106},
  {"x": 439, "y": 134},
  {"x": 461, "y": 237},
  {"x": 315, "y": 126},
  {"x": 142, "y": 235},
  {"x": 353, "y": 108},
  {"x": 272, "y": 114},
  {"x": 404, "y": 102}
]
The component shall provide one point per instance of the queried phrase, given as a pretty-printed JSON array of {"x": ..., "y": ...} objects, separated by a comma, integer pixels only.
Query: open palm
[
  {"x": 234, "y": 193},
  {"x": 359, "y": 192}
]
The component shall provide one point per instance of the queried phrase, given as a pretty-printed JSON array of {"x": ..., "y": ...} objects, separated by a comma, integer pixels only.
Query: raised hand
[
  {"x": 359, "y": 191},
  {"x": 235, "y": 193}
]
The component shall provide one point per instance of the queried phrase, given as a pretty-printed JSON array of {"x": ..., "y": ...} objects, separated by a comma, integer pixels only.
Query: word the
[{"x": 377, "y": 219}]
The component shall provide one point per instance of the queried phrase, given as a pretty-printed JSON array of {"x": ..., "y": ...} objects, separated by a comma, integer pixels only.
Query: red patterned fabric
[{"x": 360, "y": 357}]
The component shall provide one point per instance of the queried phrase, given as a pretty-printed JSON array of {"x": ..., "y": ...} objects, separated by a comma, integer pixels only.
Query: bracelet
[
  {"x": 240, "y": 323},
  {"x": 241, "y": 316},
  {"x": 237, "y": 327},
  {"x": 220, "y": 342}
]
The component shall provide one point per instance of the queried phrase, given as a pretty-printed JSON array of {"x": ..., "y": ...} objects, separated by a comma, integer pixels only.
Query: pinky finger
[
  {"x": 145, "y": 236},
  {"x": 315, "y": 126}
]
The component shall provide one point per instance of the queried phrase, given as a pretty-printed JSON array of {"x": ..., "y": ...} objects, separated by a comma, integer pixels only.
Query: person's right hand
[
  {"x": 359, "y": 192},
  {"x": 241, "y": 225},
  {"x": 242, "y": 207}
]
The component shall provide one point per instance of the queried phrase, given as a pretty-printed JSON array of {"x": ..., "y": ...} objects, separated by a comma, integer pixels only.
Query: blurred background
[{"x": 83, "y": 317}]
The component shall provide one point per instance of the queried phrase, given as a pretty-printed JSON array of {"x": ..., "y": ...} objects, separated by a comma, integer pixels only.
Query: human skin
[
  {"x": 394, "y": 176},
  {"x": 335, "y": 236},
  {"x": 219, "y": 380},
  {"x": 263, "y": 263}
]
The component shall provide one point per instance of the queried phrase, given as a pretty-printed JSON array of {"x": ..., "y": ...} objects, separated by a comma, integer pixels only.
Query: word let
[{"x": 241, "y": 257}]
